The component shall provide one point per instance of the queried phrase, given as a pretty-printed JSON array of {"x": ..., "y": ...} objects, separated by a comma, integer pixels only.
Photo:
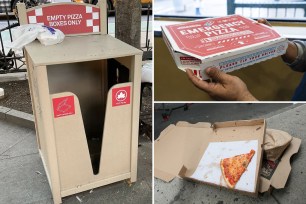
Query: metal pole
[
  {"x": 148, "y": 20},
  {"x": 3, "y": 51},
  {"x": 9, "y": 28}
]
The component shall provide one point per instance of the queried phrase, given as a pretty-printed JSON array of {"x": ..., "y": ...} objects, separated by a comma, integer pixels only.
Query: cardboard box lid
[
  {"x": 184, "y": 144},
  {"x": 174, "y": 144},
  {"x": 211, "y": 38}
]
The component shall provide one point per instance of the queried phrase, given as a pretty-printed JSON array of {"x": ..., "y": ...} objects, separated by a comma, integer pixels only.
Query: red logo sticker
[
  {"x": 70, "y": 19},
  {"x": 190, "y": 61},
  {"x": 121, "y": 96},
  {"x": 63, "y": 106}
]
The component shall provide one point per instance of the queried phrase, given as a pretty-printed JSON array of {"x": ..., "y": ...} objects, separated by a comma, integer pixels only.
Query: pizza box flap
[
  {"x": 174, "y": 144},
  {"x": 277, "y": 173},
  {"x": 191, "y": 39},
  {"x": 183, "y": 144}
]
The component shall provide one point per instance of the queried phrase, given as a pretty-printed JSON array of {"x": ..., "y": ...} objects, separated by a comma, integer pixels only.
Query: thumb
[
  {"x": 264, "y": 21},
  {"x": 217, "y": 75},
  {"x": 198, "y": 82}
]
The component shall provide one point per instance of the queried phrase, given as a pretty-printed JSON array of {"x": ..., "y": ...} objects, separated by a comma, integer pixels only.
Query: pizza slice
[{"x": 233, "y": 167}]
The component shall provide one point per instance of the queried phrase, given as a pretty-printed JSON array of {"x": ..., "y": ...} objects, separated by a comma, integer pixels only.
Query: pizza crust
[{"x": 223, "y": 174}]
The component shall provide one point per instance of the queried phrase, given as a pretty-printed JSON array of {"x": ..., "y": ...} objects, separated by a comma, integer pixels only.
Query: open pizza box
[
  {"x": 228, "y": 43},
  {"x": 194, "y": 152}
]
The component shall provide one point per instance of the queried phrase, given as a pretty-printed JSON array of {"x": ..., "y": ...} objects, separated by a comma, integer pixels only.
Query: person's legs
[{"x": 198, "y": 11}]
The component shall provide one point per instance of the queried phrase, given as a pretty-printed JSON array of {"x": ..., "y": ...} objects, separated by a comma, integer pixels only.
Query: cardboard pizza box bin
[{"x": 86, "y": 123}]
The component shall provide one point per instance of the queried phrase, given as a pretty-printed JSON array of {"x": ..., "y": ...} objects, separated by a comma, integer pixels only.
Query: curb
[
  {"x": 13, "y": 76},
  {"x": 17, "y": 117}
]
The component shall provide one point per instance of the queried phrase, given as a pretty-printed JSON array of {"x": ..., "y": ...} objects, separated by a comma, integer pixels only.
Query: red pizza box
[{"x": 228, "y": 43}]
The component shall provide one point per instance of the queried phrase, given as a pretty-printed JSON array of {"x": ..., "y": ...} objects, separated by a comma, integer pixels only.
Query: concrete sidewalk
[
  {"x": 290, "y": 119},
  {"x": 23, "y": 179}
]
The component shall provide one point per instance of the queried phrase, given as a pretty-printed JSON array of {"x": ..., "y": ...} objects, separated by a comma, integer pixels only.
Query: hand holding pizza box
[{"x": 228, "y": 43}]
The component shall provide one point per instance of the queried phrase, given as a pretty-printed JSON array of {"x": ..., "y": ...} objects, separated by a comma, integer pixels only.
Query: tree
[{"x": 128, "y": 21}]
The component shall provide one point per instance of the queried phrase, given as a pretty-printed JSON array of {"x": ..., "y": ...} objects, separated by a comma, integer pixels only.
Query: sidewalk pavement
[
  {"x": 23, "y": 179},
  {"x": 290, "y": 120}
]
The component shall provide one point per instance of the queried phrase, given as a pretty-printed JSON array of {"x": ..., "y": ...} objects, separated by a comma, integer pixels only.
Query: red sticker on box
[
  {"x": 121, "y": 96},
  {"x": 190, "y": 61},
  {"x": 69, "y": 18},
  {"x": 63, "y": 106}
]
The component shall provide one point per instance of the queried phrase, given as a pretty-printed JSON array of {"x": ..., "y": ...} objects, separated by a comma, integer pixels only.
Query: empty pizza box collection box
[
  {"x": 194, "y": 151},
  {"x": 228, "y": 43}
]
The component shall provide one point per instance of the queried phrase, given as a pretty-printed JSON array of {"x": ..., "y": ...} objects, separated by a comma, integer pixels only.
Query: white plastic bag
[
  {"x": 146, "y": 73},
  {"x": 6, "y": 40},
  {"x": 50, "y": 36},
  {"x": 25, "y": 34}
]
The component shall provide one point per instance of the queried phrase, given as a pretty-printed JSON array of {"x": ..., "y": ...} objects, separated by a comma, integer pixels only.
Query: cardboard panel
[
  {"x": 184, "y": 146},
  {"x": 72, "y": 144},
  {"x": 281, "y": 171},
  {"x": 74, "y": 163},
  {"x": 175, "y": 144},
  {"x": 116, "y": 145}
]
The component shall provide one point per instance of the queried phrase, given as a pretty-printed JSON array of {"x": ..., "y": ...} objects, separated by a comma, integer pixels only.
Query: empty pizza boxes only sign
[
  {"x": 228, "y": 43},
  {"x": 195, "y": 152}
]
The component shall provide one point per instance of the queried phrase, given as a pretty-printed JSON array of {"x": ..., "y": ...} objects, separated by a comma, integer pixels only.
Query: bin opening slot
[
  {"x": 117, "y": 73},
  {"x": 88, "y": 81}
]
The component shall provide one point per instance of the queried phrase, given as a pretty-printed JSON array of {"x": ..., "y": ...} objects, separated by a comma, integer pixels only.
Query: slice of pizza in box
[{"x": 228, "y": 43}]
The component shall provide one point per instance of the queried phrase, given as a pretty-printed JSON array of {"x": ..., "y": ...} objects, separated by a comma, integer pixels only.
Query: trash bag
[
  {"x": 146, "y": 74},
  {"x": 25, "y": 34},
  {"x": 51, "y": 37},
  {"x": 276, "y": 141}
]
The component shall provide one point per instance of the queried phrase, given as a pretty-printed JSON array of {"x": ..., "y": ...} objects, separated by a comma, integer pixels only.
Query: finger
[
  {"x": 217, "y": 75},
  {"x": 264, "y": 21},
  {"x": 198, "y": 82}
]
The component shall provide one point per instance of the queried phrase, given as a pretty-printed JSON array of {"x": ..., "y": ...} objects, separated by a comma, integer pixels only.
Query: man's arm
[{"x": 295, "y": 56}]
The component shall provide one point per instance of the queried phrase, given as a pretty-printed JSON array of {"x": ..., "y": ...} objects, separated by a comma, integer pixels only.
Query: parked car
[
  {"x": 110, "y": 3},
  {"x": 11, "y": 4},
  {"x": 5, "y": 4}
]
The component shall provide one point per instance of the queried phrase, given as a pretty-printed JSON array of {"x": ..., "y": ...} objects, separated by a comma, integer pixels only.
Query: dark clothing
[{"x": 300, "y": 65}]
